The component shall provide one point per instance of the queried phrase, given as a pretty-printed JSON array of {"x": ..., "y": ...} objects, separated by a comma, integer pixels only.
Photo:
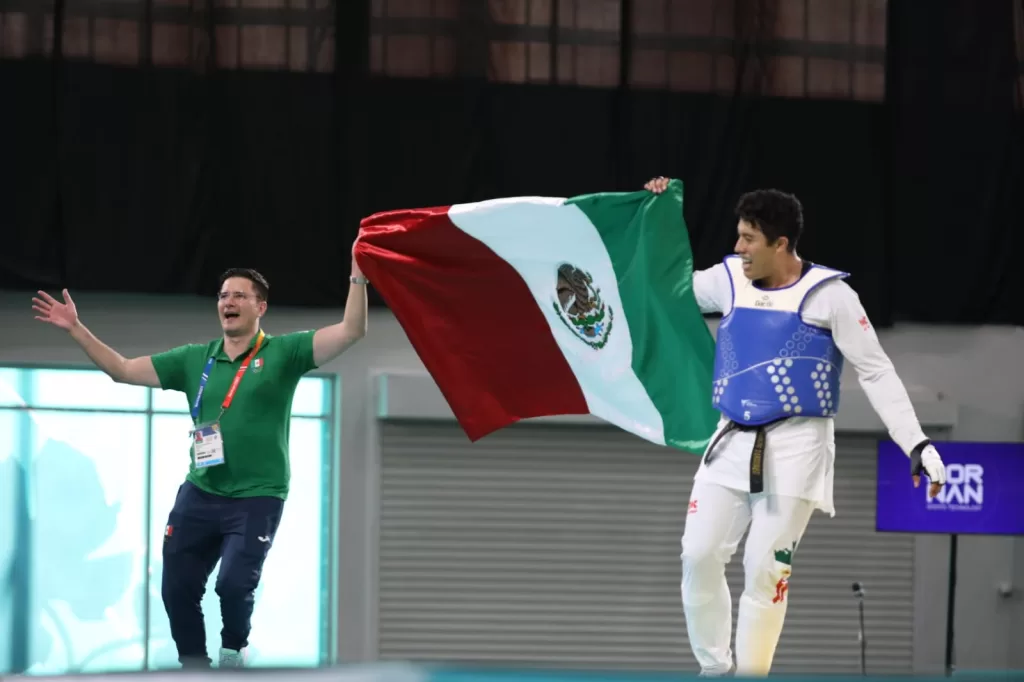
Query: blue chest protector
[{"x": 769, "y": 363}]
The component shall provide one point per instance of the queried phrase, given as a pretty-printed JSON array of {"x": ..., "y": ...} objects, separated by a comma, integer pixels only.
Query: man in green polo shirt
[{"x": 240, "y": 389}]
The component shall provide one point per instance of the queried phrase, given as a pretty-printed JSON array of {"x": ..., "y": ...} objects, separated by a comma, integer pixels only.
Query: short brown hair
[{"x": 259, "y": 282}]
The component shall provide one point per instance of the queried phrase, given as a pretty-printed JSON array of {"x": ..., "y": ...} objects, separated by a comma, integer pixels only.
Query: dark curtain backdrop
[{"x": 149, "y": 144}]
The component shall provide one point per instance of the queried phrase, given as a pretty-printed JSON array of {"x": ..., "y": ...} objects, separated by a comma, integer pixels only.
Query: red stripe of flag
[{"x": 471, "y": 319}]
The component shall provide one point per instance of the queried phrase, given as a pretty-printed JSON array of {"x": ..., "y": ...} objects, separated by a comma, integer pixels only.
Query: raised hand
[
  {"x": 63, "y": 315},
  {"x": 657, "y": 185}
]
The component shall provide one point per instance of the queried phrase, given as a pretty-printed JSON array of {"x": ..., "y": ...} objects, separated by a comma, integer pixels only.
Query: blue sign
[{"x": 982, "y": 495}]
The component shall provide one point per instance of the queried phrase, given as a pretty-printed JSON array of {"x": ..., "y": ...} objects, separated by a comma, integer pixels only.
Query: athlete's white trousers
[{"x": 714, "y": 526}]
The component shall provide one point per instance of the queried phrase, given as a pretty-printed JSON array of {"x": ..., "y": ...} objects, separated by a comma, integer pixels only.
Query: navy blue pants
[{"x": 201, "y": 529}]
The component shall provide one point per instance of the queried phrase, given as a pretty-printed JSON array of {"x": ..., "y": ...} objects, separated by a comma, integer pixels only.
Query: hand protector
[{"x": 925, "y": 458}]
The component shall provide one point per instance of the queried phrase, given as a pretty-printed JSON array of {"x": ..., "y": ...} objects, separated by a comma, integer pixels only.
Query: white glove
[{"x": 931, "y": 464}]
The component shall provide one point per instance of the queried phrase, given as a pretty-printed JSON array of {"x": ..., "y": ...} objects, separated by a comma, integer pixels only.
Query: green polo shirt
[{"x": 255, "y": 428}]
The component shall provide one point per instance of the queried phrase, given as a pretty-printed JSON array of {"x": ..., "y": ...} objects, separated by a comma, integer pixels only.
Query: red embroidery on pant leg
[{"x": 781, "y": 588}]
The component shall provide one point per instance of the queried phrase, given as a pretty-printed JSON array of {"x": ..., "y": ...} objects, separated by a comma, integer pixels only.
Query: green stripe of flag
[{"x": 673, "y": 350}]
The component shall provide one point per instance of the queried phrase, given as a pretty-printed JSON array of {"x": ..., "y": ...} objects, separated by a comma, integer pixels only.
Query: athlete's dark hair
[
  {"x": 259, "y": 282},
  {"x": 776, "y": 214}
]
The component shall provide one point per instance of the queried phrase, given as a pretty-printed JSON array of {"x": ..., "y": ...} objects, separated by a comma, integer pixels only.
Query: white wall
[{"x": 978, "y": 368}]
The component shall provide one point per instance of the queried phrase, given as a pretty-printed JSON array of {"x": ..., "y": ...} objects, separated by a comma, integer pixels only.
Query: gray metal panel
[{"x": 559, "y": 546}]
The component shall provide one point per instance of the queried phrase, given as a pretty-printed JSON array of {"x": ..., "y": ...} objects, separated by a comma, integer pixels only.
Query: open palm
[{"x": 63, "y": 315}]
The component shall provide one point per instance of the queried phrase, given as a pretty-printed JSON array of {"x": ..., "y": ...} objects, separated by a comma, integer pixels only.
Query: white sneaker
[{"x": 229, "y": 658}]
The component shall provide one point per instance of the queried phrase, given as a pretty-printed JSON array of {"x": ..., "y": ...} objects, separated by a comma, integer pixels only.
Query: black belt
[{"x": 756, "y": 454}]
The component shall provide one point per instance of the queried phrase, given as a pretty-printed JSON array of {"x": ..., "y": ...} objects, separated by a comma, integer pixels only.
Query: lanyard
[{"x": 234, "y": 384}]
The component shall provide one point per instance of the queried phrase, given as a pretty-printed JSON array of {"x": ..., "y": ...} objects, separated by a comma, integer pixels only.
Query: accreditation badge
[{"x": 207, "y": 445}]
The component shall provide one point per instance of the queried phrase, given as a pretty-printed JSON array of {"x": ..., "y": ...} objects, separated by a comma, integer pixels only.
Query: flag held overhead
[{"x": 535, "y": 306}]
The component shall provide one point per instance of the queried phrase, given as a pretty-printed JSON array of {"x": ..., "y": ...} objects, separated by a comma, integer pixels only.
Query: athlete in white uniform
[{"x": 786, "y": 329}]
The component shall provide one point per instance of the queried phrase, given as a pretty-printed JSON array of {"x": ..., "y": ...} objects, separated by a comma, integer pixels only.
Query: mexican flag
[{"x": 534, "y": 306}]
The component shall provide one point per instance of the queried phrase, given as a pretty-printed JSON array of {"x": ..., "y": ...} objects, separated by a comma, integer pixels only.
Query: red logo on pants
[
  {"x": 780, "y": 590},
  {"x": 693, "y": 506}
]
